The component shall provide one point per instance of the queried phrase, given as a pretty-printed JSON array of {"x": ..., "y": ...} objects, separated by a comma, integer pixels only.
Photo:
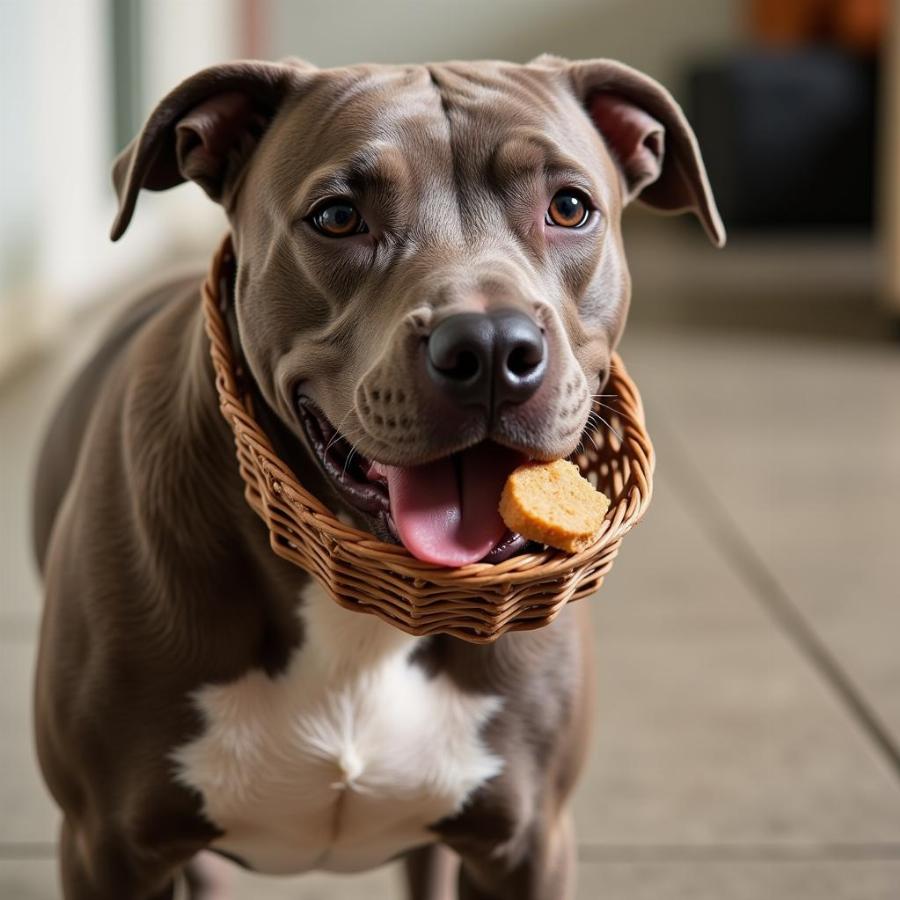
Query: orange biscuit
[{"x": 552, "y": 503}]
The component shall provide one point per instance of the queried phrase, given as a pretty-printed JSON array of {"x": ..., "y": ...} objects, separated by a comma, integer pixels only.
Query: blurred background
[{"x": 748, "y": 724}]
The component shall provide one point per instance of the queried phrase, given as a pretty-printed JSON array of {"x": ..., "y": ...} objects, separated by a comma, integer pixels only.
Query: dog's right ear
[{"x": 205, "y": 130}]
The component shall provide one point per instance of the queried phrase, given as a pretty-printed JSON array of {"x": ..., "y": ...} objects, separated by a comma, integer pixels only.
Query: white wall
[
  {"x": 57, "y": 201},
  {"x": 17, "y": 140}
]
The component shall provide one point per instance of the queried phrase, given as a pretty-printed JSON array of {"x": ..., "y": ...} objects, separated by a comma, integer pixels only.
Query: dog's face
[{"x": 431, "y": 275}]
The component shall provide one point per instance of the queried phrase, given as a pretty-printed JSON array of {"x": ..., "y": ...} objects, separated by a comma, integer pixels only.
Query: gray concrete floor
[{"x": 748, "y": 639}]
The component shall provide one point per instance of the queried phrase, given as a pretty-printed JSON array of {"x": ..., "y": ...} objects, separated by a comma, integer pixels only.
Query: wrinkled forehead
[
  {"x": 376, "y": 126},
  {"x": 493, "y": 107},
  {"x": 348, "y": 108}
]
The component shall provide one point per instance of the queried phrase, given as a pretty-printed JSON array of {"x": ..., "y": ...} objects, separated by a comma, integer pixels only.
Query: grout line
[
  {"x": 739, "y": 852},
  {"x": 725, "y": 533},
  {"x": 626, "y": 853}
]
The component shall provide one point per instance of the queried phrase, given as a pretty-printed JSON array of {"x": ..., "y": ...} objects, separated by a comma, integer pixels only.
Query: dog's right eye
[{"x": 338, "y": 219}]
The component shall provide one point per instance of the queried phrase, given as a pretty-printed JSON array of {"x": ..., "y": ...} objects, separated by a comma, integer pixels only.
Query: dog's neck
[{"x": 194, "y": 504}]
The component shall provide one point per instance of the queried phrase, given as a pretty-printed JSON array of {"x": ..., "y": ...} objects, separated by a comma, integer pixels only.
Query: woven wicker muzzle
[{"x": 477, "y": 602}]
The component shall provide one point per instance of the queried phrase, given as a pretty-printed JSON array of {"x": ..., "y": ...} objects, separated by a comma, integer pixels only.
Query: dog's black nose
[{"x": 488, "y": 359}]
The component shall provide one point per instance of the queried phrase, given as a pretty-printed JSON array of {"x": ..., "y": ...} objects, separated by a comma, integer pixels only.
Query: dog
[{"x": 429, "y": 284}]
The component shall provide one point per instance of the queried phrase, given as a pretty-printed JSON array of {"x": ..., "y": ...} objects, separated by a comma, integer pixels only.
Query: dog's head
[{"x": 431, "y": 278}]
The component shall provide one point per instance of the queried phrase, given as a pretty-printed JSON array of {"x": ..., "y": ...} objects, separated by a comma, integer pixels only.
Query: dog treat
[{"x": 552, "y": 503}]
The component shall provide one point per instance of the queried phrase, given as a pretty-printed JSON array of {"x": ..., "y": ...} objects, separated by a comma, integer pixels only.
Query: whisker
[
  {"x": 589, "y": 427},
  {"x": 347, "y": 461},
  {"x": 619, "y": 412},
  {"x": 613, "y": 430},
  {"x": 337, "y": 431}
]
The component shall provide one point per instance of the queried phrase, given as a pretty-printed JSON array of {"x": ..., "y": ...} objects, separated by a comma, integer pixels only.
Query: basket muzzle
[{"x": 477, "y": 602}]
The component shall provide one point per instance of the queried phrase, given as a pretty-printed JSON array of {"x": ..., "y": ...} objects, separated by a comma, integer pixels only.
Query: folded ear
[
  {"x": 205, "y": 130},
  {"x": 649, "y": 138}
]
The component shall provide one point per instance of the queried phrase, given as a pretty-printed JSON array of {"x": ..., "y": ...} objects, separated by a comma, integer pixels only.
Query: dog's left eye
[
  {"x": 569, "y": 209},
  {"x": 338, "y": 219}
]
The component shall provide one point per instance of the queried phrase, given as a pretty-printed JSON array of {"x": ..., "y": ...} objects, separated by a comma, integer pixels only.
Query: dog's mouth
[{"x": 443, "y": 512}]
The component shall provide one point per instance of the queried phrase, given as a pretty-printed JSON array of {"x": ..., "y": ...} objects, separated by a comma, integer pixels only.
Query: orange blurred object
[
  {"x": 855, "y": 24},
  {"x": 861, "y": 24}
]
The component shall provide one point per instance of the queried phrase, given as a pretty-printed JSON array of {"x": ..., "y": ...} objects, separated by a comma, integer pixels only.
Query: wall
[{"x": 653, "y": 35}]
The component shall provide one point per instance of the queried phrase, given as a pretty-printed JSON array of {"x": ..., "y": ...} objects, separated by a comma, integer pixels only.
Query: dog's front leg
[
  {"x": 431, "y": 873},
  {"x": 94, "y": 867},
  {"x": 540, "y": 867}
]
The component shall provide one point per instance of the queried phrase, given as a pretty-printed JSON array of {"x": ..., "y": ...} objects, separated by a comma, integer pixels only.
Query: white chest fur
[{"x": 343, "y": 760}]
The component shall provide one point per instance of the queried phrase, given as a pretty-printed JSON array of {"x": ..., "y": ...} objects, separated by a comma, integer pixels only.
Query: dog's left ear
[
  {"x": 649, "y": 138},
  {"x": 205, "y": 130}
]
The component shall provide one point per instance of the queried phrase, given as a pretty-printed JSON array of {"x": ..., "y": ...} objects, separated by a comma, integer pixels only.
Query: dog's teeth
[{"x": 376, "y": 472}]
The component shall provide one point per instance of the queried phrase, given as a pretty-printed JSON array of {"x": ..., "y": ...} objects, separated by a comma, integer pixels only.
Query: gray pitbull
[{"x": 428, "y": 284}]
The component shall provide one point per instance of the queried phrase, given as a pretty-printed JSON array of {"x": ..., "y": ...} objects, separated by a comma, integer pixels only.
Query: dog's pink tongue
[{"x": 446, "y": 511}]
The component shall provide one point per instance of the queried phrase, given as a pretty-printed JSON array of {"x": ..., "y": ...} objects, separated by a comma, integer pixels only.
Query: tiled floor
[{"x": 748, "y": 639}]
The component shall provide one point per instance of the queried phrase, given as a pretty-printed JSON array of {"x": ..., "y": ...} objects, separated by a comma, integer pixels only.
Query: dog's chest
[{"x": 344, "y": 760}]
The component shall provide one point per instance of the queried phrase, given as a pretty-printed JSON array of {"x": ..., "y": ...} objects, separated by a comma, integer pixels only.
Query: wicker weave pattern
[{"x": 478, "y": 602}]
